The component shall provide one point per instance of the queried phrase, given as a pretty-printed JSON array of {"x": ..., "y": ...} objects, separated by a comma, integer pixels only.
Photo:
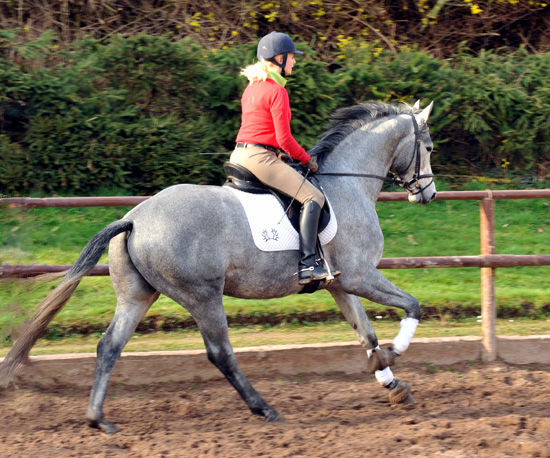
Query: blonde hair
[{"x": 258, "y": 71}]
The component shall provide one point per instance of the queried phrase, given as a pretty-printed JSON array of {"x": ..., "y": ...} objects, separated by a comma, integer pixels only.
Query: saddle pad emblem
[{"x": 271, "y": 229}]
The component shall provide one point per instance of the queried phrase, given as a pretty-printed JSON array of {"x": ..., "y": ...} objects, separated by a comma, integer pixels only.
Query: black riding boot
[{"x": 308, "y": 270}]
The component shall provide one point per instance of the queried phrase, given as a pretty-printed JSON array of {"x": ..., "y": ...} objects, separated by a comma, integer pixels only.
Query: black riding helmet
[{"x": 274, "y": 44}]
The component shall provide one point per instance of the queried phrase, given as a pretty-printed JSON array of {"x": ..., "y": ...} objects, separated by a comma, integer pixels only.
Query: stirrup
[
  {"x": 309, "y": 274},
  {"x": 331, "y": 274},
  {"x": 321, "y": 274}
]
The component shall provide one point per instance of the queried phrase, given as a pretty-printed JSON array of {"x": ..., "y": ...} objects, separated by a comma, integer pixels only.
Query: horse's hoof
[
  {"x": 103, "y": 425},
  {"x": 275, "y": 416},
  {"x": 401, "y": 394},
  {"x": 379, "y": 359}
]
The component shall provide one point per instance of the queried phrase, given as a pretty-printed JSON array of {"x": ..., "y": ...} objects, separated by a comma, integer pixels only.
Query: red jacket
[{"x": 266, "y": 118}]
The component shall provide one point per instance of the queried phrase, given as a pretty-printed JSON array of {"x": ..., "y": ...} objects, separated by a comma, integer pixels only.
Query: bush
[
  {"x": 490, "y": 114},
  {"x": 127, "y": 113},
  {"x": 143, "y": 113},
  {"x": 500, "y": 106},
  {"x": 140, "y": 113},
  {"x": 435, "y": 25}
]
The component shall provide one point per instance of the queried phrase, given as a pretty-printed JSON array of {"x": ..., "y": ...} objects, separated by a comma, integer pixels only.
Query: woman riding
[{"x": 265, "y": 130}]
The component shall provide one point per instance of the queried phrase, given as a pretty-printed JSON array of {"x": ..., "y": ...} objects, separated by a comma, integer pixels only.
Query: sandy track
[{"x": 463, "y": 410}]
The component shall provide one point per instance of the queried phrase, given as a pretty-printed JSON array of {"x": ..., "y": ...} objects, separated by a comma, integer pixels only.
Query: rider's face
[{"x": 290, "y": 62}]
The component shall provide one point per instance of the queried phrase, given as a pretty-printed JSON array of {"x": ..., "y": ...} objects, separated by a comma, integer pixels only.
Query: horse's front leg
[
  {"x": 353, "y": 311},
  {"x": 379, "y": 359},
  {"x": 379, "y": 289}
]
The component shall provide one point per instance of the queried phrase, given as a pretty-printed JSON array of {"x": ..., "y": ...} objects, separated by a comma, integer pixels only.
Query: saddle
[{"x": 238, "y": 177}]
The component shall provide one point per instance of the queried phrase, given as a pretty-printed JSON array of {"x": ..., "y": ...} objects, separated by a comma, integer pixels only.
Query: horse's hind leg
[
  {"x": 212, "y": 323},
  {"x": 134, "y": 297}
]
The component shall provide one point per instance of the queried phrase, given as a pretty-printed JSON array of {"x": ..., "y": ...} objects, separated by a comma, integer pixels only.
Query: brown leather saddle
[{"x": 242, "y": 179}]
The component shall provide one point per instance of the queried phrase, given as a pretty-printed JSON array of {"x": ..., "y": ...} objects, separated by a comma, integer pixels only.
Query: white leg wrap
[
  {"x": 405, "y": 335},
  {"x": 385, "y": 376}
]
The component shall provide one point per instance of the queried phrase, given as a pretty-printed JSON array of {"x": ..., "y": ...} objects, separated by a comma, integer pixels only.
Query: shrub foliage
[
  {"x": 437, "y": 26},
  {"x": 145, "y": 112}
]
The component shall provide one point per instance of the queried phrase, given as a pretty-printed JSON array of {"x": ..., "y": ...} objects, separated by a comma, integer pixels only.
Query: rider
[{"x": 265, "y": 130}]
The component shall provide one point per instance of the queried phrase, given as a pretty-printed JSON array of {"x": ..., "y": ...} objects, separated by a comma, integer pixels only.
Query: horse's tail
[{"x": 54, "y": 302}]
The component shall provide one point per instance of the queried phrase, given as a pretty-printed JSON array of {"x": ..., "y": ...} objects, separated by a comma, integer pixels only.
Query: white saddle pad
[{"x": 270, "y": 227}]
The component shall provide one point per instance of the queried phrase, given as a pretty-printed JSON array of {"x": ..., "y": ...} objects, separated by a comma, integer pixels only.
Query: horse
[{"x": 193, "y": 244}]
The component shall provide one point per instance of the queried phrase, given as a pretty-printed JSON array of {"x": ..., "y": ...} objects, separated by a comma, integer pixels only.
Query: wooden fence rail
[
  {"x": 34, "y": 202},
  {"x": 487, "y": 261}
]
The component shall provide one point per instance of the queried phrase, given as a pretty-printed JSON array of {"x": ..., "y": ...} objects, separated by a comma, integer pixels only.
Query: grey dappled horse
[{"x": 193, "y": 244}]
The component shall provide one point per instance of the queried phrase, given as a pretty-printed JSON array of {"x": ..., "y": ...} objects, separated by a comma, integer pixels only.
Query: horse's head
[
  {"x": 412, "y": 160},
  {"x": 375, "y": 137}
]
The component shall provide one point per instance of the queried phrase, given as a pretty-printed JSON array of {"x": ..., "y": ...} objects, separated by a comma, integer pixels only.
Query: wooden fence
[{"x": 487, "y": 261}]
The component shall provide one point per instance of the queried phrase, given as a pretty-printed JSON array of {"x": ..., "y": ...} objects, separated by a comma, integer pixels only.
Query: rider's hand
[{"x": 312, "y": 164}]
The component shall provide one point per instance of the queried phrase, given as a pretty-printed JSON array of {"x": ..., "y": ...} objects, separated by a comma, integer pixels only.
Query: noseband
[{"x": 412, "y": 185}]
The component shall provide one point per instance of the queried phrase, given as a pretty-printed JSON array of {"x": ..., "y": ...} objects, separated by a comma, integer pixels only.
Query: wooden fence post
[{"x": 488, "y": 306}]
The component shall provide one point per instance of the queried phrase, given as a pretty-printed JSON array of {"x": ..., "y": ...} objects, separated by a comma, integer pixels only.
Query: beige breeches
[{"x": 273, "y": 172}]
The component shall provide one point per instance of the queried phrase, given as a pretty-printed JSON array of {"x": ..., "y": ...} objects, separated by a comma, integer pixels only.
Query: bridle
[{"x": 412, "y": 185}]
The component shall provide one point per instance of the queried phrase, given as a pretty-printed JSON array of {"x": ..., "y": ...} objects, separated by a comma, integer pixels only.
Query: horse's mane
[{"x": 345, "y": 121}]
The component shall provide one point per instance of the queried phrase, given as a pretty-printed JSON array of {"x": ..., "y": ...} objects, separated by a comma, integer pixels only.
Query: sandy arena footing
[{"x": 140, "y": 368}]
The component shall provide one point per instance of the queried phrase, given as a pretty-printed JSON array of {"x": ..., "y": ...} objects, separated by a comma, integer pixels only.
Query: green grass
[
  {"x": 57, "y": 235},
  {"x": 309, "y": 333}
]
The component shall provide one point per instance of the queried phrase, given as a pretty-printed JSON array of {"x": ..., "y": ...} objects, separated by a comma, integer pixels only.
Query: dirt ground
[{"x": 465, "y": 410}]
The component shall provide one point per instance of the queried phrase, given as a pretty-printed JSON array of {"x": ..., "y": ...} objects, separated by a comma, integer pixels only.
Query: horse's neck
[{"x": 368, "y": 151}]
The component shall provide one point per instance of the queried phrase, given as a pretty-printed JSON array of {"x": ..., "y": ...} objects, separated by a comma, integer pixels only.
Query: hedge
[{"x": 144, "y": 112}]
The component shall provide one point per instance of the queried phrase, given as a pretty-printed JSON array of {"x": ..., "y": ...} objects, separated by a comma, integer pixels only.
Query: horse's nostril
[{"x": 433, "y": 195}]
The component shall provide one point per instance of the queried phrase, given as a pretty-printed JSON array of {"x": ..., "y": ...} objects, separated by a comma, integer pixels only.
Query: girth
[{"x": 238, "y": 177}]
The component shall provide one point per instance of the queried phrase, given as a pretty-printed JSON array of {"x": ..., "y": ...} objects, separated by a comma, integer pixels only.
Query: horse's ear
[
  {"x": 422, "y": 118},
  {"x": 416, "y": 106}
]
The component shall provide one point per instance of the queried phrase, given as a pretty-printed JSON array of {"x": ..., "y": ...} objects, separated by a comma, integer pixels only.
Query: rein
[{"x": 408, "y": 185}]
